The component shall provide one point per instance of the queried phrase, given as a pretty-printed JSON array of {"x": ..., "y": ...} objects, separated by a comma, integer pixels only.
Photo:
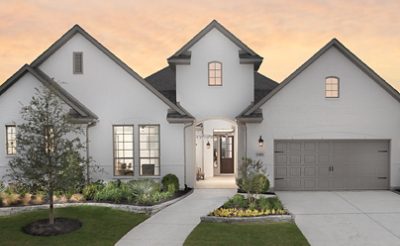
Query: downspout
[
  {"x": 184, "y": 151},
  {"x": 90, "y": 124}
]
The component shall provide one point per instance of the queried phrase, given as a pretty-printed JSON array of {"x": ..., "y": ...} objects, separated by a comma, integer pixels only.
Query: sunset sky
[{"x": 145, "y": 33}]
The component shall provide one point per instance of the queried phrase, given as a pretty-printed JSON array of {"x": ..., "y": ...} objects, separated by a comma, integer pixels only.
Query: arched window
[
  {"x": 215, "y": 73},
  {"x": 331, "y": 87}
]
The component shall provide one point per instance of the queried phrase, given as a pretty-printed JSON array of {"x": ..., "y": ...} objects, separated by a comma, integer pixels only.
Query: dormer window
[
  {"x": 214, "y": 73},
  {"x": 77, "y": 63},
  {"x": 332, "y": 87}
]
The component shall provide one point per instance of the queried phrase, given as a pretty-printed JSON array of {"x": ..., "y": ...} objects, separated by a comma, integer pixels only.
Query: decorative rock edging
[
  {"x": 5, "y": 211},
  {"x": 269, "y": 218}
]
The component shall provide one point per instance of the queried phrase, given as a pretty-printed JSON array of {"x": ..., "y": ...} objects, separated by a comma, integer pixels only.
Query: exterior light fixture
[
  {"x": 260, "y": 142},
  {"x": 208, "y": 144}
]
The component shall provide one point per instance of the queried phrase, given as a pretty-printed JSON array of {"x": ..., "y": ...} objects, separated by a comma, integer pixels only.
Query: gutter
[{"x": 90, "y": 124}]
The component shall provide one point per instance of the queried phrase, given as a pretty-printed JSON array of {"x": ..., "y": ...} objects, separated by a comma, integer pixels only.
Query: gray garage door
[{"x": 331, "y": 164}]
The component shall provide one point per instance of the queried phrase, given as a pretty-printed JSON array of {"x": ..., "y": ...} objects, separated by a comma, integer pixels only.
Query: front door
[{"x": 226, "y": 156}]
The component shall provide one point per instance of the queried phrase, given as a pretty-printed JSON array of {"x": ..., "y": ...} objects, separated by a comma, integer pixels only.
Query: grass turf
[
  {"x": 100, "y": 226},
  {"x": 208, "y": 233}
]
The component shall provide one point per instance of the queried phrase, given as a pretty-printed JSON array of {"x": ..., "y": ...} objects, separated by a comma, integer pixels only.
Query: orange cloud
[{"x": 144, "y": 33}]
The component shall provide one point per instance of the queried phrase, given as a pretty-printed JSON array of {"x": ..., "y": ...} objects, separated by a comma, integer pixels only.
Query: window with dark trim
[
  {"x": 123, "y": 150},
  {"x": 214, "y": 73},
  {"x": 78, "y": 62},
  {"x": 11, "y": 140},
  {"x": 149, "y": 147},
  {"x": 331, "y": 87}
]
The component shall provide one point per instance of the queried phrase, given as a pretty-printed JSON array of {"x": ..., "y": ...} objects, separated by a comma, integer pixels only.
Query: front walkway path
[{"x": 173, "y": 224}]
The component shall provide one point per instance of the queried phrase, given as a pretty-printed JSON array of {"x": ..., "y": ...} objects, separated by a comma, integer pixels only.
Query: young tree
[{"x": 48, "y": 147}]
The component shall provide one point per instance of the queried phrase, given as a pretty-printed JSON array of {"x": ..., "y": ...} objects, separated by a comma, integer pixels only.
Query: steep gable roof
[
  {"x": 347, "y": 53},
  {"x": 84, "y": 114},
  {"x": 77, "y": 29},
  {"x": 246, "y": 55}
]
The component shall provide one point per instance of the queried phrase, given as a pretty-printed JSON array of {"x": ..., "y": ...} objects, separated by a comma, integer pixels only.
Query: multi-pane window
[
  {"x": 78, "y": 62},
  {"x": 123, "y": 150},
  {"x": 11, "y": 140},
  {"x": 332, "y": 87},
  {"x": 149, "y": 147},
  {"x": 214, "y": 73}
]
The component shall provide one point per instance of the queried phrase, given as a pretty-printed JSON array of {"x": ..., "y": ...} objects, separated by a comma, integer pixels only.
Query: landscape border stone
[
  {"x": 5, "y": 211},
  {"x": 268, "y": 218}
]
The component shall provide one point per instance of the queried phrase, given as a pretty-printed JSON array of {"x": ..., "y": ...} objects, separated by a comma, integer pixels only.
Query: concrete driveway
[{"x": 346, "y": 217}]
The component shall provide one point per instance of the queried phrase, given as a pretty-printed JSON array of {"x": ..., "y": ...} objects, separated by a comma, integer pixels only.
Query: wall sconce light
[
  {"x": 260, "y": 142},
  {"x": 208, "y": 144}
]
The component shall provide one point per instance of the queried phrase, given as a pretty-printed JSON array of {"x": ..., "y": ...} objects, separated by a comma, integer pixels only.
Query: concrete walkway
[
  {"x": 346, "y": 217},
  {"x": 173, "y": 224}
]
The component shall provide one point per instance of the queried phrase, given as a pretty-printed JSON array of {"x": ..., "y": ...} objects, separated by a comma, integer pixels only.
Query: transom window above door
[{"x": 214, "y": 73}]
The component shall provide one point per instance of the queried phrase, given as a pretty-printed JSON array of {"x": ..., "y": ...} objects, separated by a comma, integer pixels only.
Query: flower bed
[
  {"x": 145, "y": 192},
  {"x": 243, "y": 209}
]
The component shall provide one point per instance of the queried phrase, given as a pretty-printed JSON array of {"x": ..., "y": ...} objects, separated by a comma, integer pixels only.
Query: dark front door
[{"x": 226, "y": 145}]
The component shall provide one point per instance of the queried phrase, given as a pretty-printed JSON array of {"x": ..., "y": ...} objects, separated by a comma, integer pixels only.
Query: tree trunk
[{"x": 51, "y": 209}]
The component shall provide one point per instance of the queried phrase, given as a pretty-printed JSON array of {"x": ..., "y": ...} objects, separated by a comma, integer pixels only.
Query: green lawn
[
  {"x": 100, "y": 226},
  {"x": 207, "y": 233}
]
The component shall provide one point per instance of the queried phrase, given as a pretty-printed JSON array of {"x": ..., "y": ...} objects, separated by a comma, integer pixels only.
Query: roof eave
[{"x": 243, "y": 119}]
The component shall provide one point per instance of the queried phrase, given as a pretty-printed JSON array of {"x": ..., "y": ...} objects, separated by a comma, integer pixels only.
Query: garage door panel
[
  {"x": 332, "y": 164},
  {"x": 310, "y": 171},
  {"x": 294, "y": 160},
  {"x": 280, "y": 172},
  {"x": 280, "y": 159},
  {"x": 295, "y": 171}
]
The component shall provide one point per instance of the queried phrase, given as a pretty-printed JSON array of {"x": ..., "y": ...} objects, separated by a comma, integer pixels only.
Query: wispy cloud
[{"x": 144, "y": 33}]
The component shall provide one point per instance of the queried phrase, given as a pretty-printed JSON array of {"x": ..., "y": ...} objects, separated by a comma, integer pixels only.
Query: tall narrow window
[
  {"x": 215, "y": 73},
  {"x": 149, "y": 146},
  {"x": 11, "y": 140},
  {"x": 123, "y": 150},
  {"x": 332, "y": 87},
  {"x": 78, "y": 62}
]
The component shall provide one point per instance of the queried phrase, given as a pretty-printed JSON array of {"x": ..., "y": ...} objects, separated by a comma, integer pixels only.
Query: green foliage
[
  {"x": 49, "y": 148},
  {"x": 2, "y": 186},
  {"x": 263, "y": 203},
  {"x": 90, "y": 190},
  {"x": 259, "y": 183},
  {"x": 252, "y": 178},
  {"x": 113, "y": 191},
  {"x": 170, "y": 183},
  {"x": 143, "y": 186},
  {"x": 152, "y": 198},
  {"x": 237, "y": 201}
]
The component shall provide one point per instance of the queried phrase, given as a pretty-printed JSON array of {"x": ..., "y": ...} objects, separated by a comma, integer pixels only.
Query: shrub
[
  {"x": 77, "y": 198},
  {"x": 251, "y": 178},
  {"x": 38, "y": 198},
  {"x": 90, "y": 190},
  {"x": 26, "y": 199},
  {"x": 259, "y": 183},
  {"x": 10, "y": 199},
  {"x": 143, "y": 186},
  {"x": 237, "y": 201},
  {"x": 170, "y": 183},
  {"x": 152, "y": 198},
  {"x": 113, "y": 191}
]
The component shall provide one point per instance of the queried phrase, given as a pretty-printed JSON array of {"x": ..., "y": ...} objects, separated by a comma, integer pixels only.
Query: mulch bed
[
  {"x": 264, "y": 193},
  {"x": 60, "y": 226}
]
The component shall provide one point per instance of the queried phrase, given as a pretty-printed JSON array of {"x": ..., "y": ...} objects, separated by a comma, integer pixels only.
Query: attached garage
[{"x": 331, "y": 164}]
